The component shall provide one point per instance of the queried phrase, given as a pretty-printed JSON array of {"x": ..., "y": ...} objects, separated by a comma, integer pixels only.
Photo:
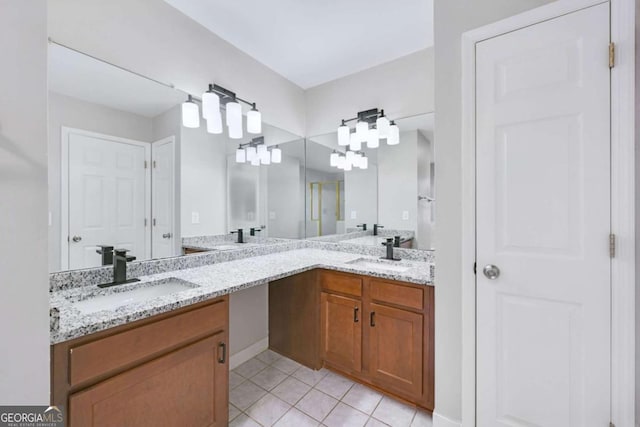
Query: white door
[
  {"x": 107, "y": 201},
  {"x": 543, "y": 200},
  {"x": 163, "y": 199}
]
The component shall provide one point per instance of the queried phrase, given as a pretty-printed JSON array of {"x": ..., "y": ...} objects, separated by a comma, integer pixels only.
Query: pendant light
[
  {"x": 373, "y": 140},
  {"x": 210, "y": 104},
  {"x": 190, "y": 114},
  {"x": 241, "y": 155},
  {"x": 382, "y": 124},
  {"x": 333, "y": 159},
  {"x": 276, "y": 155},
  {"x": 254, "y": 121},
  {"x": 394, "y": 134},
  {"x": 355, "y": 144},
  {"x": 344, "y": 134}
]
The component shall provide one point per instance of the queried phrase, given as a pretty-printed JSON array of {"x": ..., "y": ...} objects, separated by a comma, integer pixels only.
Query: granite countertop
[
  {"x": 372, "y": 240},
  {"x": 211, "y": 281}
]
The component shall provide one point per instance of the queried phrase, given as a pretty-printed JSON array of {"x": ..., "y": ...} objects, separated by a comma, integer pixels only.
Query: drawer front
[
  {"x": 124, "y": 349},
  {"x": 341, "y": 283},
  {"x": 401, "y": 295}
]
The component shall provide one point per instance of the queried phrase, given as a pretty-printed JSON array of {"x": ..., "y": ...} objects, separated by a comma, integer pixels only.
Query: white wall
[
  {"x": 24, "y": 290},
  {"x": 403, "y": 87},
  {"x": 203, "y": 182},
  {"x": 284, "y": 201},
  {"x": 75, "y": 113},
  {"x": 398, "y": 183},
  {"x": 361, "y": 196},
  {"x": 248, "y": 318},
  {"x": 154, "y": 39},
  {"x": 452, "y": 18}
]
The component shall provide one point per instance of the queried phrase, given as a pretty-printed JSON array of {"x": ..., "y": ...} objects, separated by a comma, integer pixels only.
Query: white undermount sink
[
  {"x": 144, "y": 291},
  {"x": 381, "y": 265}
]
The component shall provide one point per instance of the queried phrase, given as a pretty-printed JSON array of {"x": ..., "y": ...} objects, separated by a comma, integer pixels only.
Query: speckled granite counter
[{"x": 211, "y": 281}]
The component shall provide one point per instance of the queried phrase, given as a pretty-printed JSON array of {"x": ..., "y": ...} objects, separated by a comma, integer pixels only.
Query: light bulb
[
  {"x": 383, "y": 126},
  {"x": 276, "y": 155},
  {"x": 241, "y": 155},
  {"x": 343, "y": 134},
  {"x": 190, "y": 114},
  {"x": 251, "y": 153},
  {"x": 373, "y": 140},
  {"x": 333, "y": 159},
  {"x": 234, "y": 120},
  {"x": 214, "y": 123},
  {"x": 210, "y": 103},
  {"x": 254, "y": 121},
  {"x": 362, "y": 130},
  {"x": 394, "y": 134},
  {"x": 364, "y": 162},
  {"x": 355, "y": 143}
]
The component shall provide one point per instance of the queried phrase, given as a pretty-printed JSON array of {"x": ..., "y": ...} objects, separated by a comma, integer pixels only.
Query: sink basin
[
  {"x": 381, "y": 265},
  {"x": 144, "y": 291}
]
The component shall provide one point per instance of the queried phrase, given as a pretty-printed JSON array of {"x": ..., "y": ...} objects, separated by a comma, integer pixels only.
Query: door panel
[
  {"x": 341, "y": 331},
  {"x": 163, "y": 200},
  {"x": 396, "y": 349},
  {"x": 543, "y": 200}
]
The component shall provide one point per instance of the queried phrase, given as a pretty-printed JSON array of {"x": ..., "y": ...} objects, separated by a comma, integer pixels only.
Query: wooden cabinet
[
  {"x": 170, "y": 369},
  {"x": 341, "y": 331}
]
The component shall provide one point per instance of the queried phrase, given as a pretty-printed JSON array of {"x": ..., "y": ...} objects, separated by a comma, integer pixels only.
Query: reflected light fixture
[
  {"x": 394, "y": 134},
  {"x": 190, "y": 113},
  {"x": 371, "y": 126},
  {"x": 344, "y": 134},
  {"x": 254, "y": 120},
  {"x": 333, "y": 159},
  {"x": 256, "y": 152},
  {"x": 276, "y": 155}
]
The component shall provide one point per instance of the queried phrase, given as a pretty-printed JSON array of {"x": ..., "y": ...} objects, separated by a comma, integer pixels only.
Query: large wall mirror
[
  {"x": 124, "y": 172},
  {"x": 395, "y": 188}
]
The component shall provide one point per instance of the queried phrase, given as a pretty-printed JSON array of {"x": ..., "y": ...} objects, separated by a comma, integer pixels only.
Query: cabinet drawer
[
  {"x": 401, "y": 295},
  {"x": 124, "y": 349},
  {"x": 341, "y": 283}
]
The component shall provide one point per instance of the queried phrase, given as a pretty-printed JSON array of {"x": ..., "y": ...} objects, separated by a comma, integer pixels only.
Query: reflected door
[
  {"x": 163, "y": 238},
  {"x": 543, "y": 201},
  {"x": 107, "y": 198}
]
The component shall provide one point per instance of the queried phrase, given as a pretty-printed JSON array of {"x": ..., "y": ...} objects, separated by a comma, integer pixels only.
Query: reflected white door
[
  {"x": 543, "y": 200},
  {"x": 107, "y": 198},
  {"x": 163, "y": 199}
]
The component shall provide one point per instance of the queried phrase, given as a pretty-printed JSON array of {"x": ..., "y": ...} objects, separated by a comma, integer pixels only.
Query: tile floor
[{"x": 271, "y": 390}]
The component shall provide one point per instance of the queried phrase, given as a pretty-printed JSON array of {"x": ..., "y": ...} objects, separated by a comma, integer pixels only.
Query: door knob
[
  {"x": 166, "y": 236},
  {"x": 76, "y": 238},
  {"x": 491, "y": 272}
]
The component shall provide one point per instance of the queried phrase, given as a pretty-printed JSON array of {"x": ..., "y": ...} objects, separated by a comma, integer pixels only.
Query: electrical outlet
[
  {"x": 354, "y": 214},
  {"x": 405, "y": 215},
  {"x": 195, "y": 217}
]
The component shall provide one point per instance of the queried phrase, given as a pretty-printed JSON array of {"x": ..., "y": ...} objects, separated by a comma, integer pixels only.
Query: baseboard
[
  {"x": 248, "y": 353},
  {"x": 440, "y": 421}
]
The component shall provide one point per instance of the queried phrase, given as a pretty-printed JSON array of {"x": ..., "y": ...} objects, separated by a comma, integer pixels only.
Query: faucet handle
[
  {"x": 104, "y": 249},
  {"x": 122, "y": 253}
]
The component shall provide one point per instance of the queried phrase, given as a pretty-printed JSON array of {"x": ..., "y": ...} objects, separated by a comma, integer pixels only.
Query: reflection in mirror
[
  {"x": 396, "y": 190},
  {"x": 125, "y": 173}
]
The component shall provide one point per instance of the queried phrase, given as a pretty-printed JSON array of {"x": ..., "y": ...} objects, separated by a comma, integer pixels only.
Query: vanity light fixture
[
  {"x": 349, "y": 160},
  {"x": 256, "y": 152},
  {"x": 333, "y": 159},
  {"x": 213, "y": 101},
  {"x": 371, "y": 126}
]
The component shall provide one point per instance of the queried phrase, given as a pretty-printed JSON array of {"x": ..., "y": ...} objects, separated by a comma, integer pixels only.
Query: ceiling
[{"x": 313, "y": 42}]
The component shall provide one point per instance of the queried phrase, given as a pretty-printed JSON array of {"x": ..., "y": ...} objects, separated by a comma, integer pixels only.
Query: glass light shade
[
  {"x": 355, "y": 144},
  {"x": 261, "y": 149},
  {"x": 362, "y": 130},
  {"x": 235, "y": 131},
  {"x": 255, "y": 161},
  {"x": 350, "y": 157},
  {"x": 265, "y": 158},
  {"x": 234, "y": 120},
  {"x": 342, "y": 161},
  {"x": 214, "y": 123},
  {"x": 210, "y": 104},
  {"x": 394, "y": 135},
  {"x": 383, "y": 127},
  {"x": 251, "y": 153},
  {"x": 241, "y": 155},
  {"x": 254, "y": 121},
  {"x": 276, "y": 155},
  {"x": 347, "y": 166},
  {"x": 190, "y": 114},
  {"x": 333, "y": 160},
  {"x": 364, "y": 162},
  {"x": 344, "y": 136},
  {"x": 373, "y": 139},
  {"x": 357, "y": 161}
]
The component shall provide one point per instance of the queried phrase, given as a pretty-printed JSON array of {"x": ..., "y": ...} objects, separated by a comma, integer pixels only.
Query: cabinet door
[
  {"x": 341, "y": 332},
  {"x": 187, "y": 387},
  {"x": 396, "y": 349}
]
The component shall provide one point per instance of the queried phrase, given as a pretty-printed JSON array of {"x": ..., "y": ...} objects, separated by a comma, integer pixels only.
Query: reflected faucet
[
  {"x": 389, "y": 246},
  {"x": 253, "y": 231},
  {"x": 239, "y": 232},
  {"x": 107, "y": 254},
  {"x": 376, "y": 228},
  {"x": 363, "y": 226},
  {"x": 120, "y": 269}
]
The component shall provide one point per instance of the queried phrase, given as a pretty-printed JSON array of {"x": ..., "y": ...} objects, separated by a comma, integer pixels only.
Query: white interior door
[
  {"x": 107, "y": 198},
  {"x": 163, "y": 199},
  {"x": 543, "y": 201}
]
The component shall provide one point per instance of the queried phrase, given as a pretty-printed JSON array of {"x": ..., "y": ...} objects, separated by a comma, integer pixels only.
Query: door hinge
[
  {"x": 146, "y": 164},
  {"x": 154, "y": 222},
  {"x": 612, "y": 245},
  {"x": 154, "y": 164},
  {"x": 475, "y": 268},
  {"x": 145, "y": 222},
  {"x": 612, "y": 55}
]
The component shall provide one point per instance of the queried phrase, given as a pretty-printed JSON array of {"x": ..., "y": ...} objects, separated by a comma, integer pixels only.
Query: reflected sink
[
  {"x": 231, "y": 246},
  {"x": 381, "y": 264},
  {"x": 143, "y": 291}
]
